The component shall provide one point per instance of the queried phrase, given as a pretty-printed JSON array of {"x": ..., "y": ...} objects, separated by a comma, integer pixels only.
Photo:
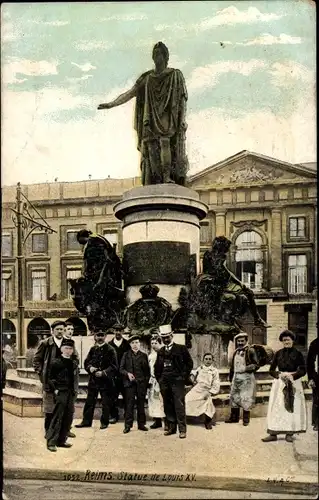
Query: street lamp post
[{"x": 26, "y": 219}]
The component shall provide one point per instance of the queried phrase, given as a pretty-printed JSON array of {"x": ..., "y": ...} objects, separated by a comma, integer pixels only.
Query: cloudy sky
[{"x": 249, "y": 69}]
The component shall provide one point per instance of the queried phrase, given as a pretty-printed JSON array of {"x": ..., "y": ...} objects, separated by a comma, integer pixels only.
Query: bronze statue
[
  {"x": 98, "y": 293},
  {"x": 160, "y": 109},
  {"x": 218, "y": 294}
]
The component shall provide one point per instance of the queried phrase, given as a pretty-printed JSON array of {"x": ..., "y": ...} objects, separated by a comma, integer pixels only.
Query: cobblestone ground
[{"x": 229, "y": 450}]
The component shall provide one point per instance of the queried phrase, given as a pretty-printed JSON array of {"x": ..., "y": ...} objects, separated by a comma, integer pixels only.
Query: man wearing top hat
[
  {"x": 121, "y": 345},
  {"x": 244, "y": 364},
  {"x": 48, "y": 350},
  {"x": 136, "y": 373},
  {"x": 172, "y": 370}
]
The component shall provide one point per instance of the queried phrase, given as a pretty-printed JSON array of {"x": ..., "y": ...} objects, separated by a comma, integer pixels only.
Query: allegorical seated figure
[
  {"x": 160, "y": 110},
  {"x": 101, "y": 264},
  {"x": 228, "y": 295},
  {"x": 101, "y": 282}
]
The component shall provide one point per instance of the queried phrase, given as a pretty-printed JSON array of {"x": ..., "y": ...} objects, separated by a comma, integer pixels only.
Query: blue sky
[{"x": 249, "y": 69}]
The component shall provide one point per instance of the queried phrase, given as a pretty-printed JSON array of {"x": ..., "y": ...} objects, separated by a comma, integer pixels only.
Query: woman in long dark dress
[{"x": 287, "y": 406}]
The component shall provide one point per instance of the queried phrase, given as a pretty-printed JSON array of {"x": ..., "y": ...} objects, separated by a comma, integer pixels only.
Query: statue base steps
[{"x": 22, "y": 395}]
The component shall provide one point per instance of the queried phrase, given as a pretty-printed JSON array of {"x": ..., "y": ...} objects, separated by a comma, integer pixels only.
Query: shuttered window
[
  {"x": 39, "y": 285},
  {"x": 297, "y": 274}
]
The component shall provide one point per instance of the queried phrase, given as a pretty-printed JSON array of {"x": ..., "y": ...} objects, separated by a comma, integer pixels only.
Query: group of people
[{"x": 121, "y": 367}]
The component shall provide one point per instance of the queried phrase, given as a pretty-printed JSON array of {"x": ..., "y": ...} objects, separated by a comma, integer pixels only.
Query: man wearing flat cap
[
  {"x": 242, "y": 377},
  {"x": 101, "y": 365},
  {"x": 48, "y": 350},
  {"x": 61, "y": 382},
  {"x": 136, "y": 373},
  {"x": 172, "y": 370},
  {"x": 121, "y": 345}
]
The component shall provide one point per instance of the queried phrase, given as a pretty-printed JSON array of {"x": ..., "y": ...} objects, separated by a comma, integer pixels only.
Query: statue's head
[
  {"x": 83, "y": 236},
  {"x": 160, "y": 53},
  {"x": 221, "y": 245}
]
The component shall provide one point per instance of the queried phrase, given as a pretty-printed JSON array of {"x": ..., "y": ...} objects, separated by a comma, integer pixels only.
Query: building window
[
  {"x": 39, "y": 243},
  {"x": 204, "y": 232},
  {"x": 39, "y": 285},
  {"x": 72, "y": 243},
  {"x": 5, "y": 286},
  {"x": 298, "y": 324},
  {"x": 297, "y": 274},
  {"x": 249, "y": 259},
  {"x": 6, "y": 245},
  {"x": 297, "y": 227},
  {"x": 111, "y": 236},
  {"x": 73, "y": 273}
]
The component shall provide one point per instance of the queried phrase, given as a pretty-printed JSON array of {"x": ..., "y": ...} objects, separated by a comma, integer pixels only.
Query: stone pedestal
[
  {"x": 161, "y": 240},
  {"x": 218, "y": 345}
]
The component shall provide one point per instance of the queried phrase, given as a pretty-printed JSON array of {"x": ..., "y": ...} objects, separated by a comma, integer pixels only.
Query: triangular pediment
[{"x": 246, "y": 168}]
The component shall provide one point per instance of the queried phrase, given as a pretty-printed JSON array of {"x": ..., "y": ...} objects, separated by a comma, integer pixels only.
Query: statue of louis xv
[{"x": 160, "y": 110}]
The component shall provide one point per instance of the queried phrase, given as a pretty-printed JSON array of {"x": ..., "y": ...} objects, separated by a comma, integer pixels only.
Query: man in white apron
[{"x": 242, "y": 376}]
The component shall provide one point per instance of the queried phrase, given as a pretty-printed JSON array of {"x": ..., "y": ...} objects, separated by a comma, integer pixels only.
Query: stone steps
[
  {"x": 22, "y": 395},
  {"x": 29, "y": 403},
  {"x": 28, "y": 384},
  {"x": 262, "y": 374}
]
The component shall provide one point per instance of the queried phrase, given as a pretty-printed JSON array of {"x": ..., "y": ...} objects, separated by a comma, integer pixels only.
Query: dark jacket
[
  {"x": 120, "y": 350},
  {"x": 76, "y": 359},
  {"x": 104, "y": 359},
  {"x": 60, "y": 377},
  {"x": 313, "y": 354},
  {"x": 181, "y": 361},
  {"x": 127, "y": 367},
  {"x": 288, "y": 360},
  {"x": 47, "y": 351},
  {"x": 251, "y": 361}
]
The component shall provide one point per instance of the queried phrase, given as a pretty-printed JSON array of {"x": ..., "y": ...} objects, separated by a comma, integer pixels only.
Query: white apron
[
  {"x": 243, "y": 387},
  {"x": 279, "y": 420},
  {"x": 198, "y": 400},
  {"x": 155, "y": 401}
]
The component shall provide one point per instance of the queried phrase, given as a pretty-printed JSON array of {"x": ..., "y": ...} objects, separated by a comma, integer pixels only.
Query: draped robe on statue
[{"x": 159, "y": 122}]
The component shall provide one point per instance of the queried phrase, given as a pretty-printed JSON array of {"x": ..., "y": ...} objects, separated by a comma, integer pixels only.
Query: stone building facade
[{"x": 265, "y": 206}]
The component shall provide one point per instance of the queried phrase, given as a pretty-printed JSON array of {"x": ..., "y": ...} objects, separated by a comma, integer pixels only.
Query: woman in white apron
[
  {"x": 287, "y": 406},
  {"x": 206, "y": 382},
  {"x": 155, "y": 402}
]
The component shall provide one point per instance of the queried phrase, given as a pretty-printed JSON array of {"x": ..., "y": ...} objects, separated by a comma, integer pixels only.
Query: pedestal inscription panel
[{"x": 166, "y": 262}]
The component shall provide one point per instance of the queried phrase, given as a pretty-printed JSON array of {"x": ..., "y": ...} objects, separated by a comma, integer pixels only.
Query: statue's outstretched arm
[{"x": 121, "y": 99}]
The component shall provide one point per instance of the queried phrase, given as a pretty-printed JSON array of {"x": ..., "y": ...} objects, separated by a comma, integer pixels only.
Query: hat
[
  {"x": 57, "y": 323},
  {"x": 117, "y": 327},
  {"x": 241, "y": 334},
  {"x": 67, "y": 342},
  {"x": 165, "y": 330},
  {"x": 133, "y": 337},
  {"x": 287, "y": 333}
]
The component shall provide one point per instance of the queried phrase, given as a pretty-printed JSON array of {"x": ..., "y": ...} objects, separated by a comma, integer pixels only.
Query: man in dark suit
[
  {"x": 121, "y": 346},
  {"x": 172, "y": 370},
  {"x": 136, "y": 373},
  {"x": 48, "y": 350},
  {"x": 101, "y": 365},
  {"x": 313, "y": 379},
  {"x": 61, "y": 381}
]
